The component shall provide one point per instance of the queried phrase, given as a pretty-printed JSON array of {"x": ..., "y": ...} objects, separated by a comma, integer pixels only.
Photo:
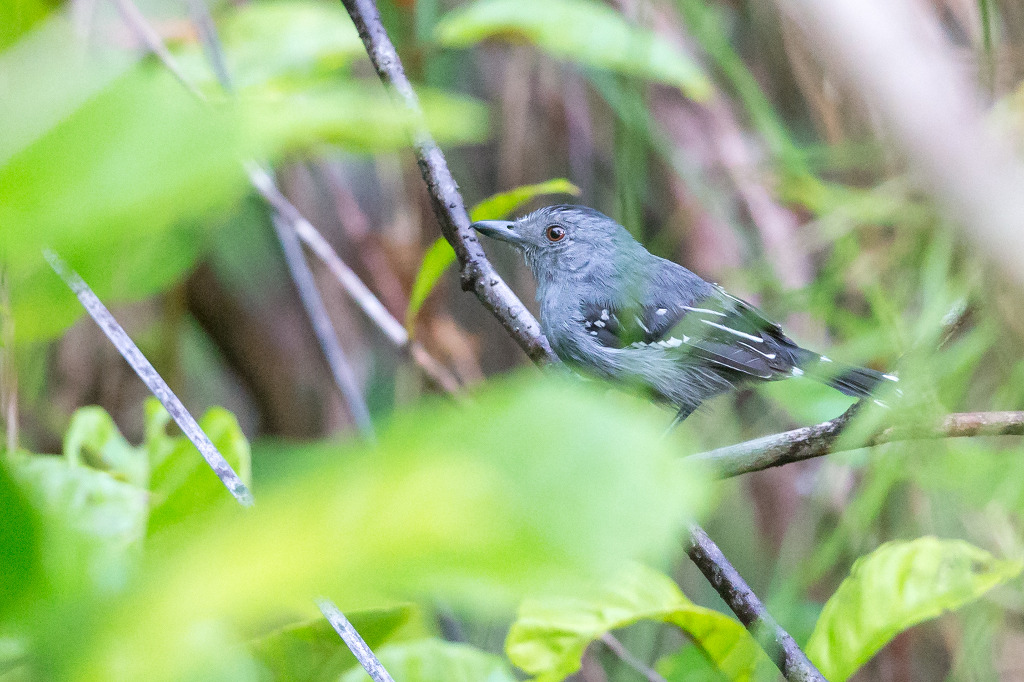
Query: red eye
[{"x": 555, "y": 233}]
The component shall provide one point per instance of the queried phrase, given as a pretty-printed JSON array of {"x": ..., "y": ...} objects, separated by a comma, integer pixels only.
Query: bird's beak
[{"x": 499, "y": 229}]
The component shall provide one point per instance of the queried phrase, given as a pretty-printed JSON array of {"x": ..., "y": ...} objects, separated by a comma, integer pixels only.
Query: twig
[
  {"x": 344, "y": 377},
  {"x": 476, "y": 271},
  {"x": 821, "y": 439},
  {"x": 371, "y": 664},
  {"x": 779, "y": 644},
  {"x": 619, "y": 649},
  {"x": 130, "y": 352},
  {"x": 355, "y": 287}
]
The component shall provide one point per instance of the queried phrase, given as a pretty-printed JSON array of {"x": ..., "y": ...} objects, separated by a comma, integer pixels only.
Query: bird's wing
[{"x": 719, "y": 329}]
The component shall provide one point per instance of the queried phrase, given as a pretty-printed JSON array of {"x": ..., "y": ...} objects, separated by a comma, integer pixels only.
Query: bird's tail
[{"x": 857, "y": 382}]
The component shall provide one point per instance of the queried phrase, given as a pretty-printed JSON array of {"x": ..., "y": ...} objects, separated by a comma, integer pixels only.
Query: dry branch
[{"x": 823, "y": 439}]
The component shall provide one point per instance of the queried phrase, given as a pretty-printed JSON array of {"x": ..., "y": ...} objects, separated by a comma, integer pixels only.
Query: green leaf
[
  {"x": 549, "y": 636},
  {"x": 433, "y": 660},
  {"x": 580, "y": 31},
  {"x": 441, "y": 255},
  {"x": 501, "y": 205},
  {"x": 436, "y": 260},
  {"x": 267, "y": 41},
  {"x": 93, "y": 523},
  {"x": 897, "y": 586},
  {"x": 182, "y": 483},
  {"x": 93, "y": 438},
  {"x": 477, "y": 504},
  {"x": 19, "y": 538},
  {"x": 313, "y": 651}
]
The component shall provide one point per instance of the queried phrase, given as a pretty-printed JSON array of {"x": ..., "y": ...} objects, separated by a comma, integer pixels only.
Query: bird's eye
[{"x": 555, "y": 233}]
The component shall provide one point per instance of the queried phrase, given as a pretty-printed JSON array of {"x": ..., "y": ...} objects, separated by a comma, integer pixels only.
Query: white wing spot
[
  {"x": 825, "y": 359},
  {"x": 593, "y": 333},
  {"x": 755, "y": 339},
  {"x": 671, "y": 342},
  {"x": 880, "y": 403},
  {"x": 604, "y": 314},
  {"x": 703, "y": 310},
  {"x": 890, "y": 377},
  {"x": 641, "y": 323},
  {"x": 797, "y": 372},
  {"x": 661, "y": 311},
  {"x": 598, "y": 323}
]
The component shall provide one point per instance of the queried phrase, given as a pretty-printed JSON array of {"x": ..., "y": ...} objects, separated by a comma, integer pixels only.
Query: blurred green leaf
[
  {"x": 518, "y": 501},
  {"x": 109, "y": 188},
  {"x": 182, "y": 484},
  {"x": 19, "y": 540},
  {"x": 357, "y": 116},
  {"x": 436, "y": 260},
  {"x": 434, "y": 660},
  {"x": 689, "y": 664},
  {"x": 549, "y": 636},
  {"x": 501, "y": 205},
  {"x": 581, "y": 31},
  {"x": 897, "y": 586},
  {"x": 92, "y": 437},
  {"x": 312, "y": 651},
  {"x": 288, "y": 39},
  {"x": 441, "y": 255},
  {"x": 93, "y": 523},
  {"x": 19, "y": 16}
]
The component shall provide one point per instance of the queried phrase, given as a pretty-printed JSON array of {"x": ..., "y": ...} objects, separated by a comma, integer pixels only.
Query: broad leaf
[
  {"x": 501, "y": 205},
  {"x": 585, "y": 32},
  {"x": 897, "y": 586},
  {"x": 182, "y": 484},
  {"x": 312, "y": 651},
  {"x": 19, "y": 538},
  {"x": 93, "y": 438},
  {"x": 433, "y": 660},
  {"x": 441, "y": 255},
  {"x": 93, "y": 523},
  {"x": 549, "y": 636}
]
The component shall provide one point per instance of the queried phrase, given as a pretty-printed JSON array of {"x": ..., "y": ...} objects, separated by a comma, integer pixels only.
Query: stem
[
  {"x": 8, "y": 370},
  {"x": 777, "y": 643},
  {"x": 821, "y": 439},
  {"x": 620, "y": 650},
  {"x": 356, "y": 644},
  {"x": 344, "y": 377},
  {"x": 131, "y": 353},
  {"x": 476, "y": 271}
]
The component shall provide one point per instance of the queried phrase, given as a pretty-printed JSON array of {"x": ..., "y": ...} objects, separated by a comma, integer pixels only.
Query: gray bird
[{"x": 612, "y": 309}]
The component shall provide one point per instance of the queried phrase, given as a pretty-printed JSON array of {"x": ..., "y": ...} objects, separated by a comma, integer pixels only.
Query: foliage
[
  {"x": 582, "y": 31},
  {"x": 897, "y": 586},
  {"x": 550, "y": 635}
]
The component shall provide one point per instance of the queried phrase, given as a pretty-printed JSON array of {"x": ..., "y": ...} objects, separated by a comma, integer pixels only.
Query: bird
[{"x": 613, "y": 310}]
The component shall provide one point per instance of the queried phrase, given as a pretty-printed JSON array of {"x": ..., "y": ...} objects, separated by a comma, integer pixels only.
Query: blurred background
[{"x": 741, "y": 139}]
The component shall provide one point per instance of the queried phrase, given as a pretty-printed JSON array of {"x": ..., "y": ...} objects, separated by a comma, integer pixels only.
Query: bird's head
[{"x": 562, "y": 240}]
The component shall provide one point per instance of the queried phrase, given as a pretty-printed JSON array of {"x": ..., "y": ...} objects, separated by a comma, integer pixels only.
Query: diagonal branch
[
  {"x": 823, "y": 439},
  {"x": 476, "y": 271},
  {"x": 730, "y": 585}
]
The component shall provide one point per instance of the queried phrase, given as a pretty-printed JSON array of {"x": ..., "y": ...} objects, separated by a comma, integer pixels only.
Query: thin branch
[
  {"x": 350, "y": 281},
  {"x": 344, "y": 377},
  {"x": 131, "y": 353},
  {"x": 779, "y": 644},
  {"x": 356, "y": 644},
  {"x": 624, "y": 655},
  {"x": 823, "y": 439},
  {"x": 476, "y": 271}
]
